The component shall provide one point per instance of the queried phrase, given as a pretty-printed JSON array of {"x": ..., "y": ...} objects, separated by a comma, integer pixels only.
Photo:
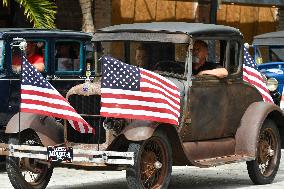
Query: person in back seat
[
  {"x": 142, "y": 57},
  {"x": 199, "y": 64}
]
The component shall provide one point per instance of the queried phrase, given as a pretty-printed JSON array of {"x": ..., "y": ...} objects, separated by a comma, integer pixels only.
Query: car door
[
  {"x": 209, "y": 100},
  {"x": 208, "y": 108}
]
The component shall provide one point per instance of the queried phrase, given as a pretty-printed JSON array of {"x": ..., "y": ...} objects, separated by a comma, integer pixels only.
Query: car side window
[
  {"x": 233, "y": 64},
  {"x": 209, "y": 58},
  {"x": 67, "y": 56},
  {"x": 35, "y": 53}
]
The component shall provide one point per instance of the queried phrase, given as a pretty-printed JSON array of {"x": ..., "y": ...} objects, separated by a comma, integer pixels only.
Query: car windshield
[
  {"x": 1, "y": 54},
  {"x": 165, "y": 57},
  {"x": 265, "y": 54}
]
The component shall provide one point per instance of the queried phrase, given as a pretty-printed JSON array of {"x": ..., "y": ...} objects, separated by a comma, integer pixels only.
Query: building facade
[{"x": 252, "y": 17}]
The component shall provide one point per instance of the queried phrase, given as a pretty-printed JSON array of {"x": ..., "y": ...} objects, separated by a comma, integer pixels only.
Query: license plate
[{"x": 60, "y": 154}]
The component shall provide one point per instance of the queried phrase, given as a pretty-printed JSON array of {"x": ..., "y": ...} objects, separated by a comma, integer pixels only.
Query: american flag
[
  {"x": 135, "y": 93},
  {"x": 253, "y": 76},
  {"x": 40, "y": 97}
]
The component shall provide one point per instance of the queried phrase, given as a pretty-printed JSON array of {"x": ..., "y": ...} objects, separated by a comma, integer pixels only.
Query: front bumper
[{"x": 79, "y": 155}]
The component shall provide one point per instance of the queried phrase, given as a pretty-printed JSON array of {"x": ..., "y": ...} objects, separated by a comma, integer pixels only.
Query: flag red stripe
[
  {"x": 46, "y": 95},
  {"x": 160, "y": 86},
  {"x": 47, "y": 104},
  {"x": 245, "y": 78},
  {"x": 76, "y": 125},
  {"x": 148, "y": 89},
  {"x": 139, "y": 107},
  {"x": 52, "y": 114},
  {"x": 158, "y": 79},
  {"x": 140, "y": 98},
  {"x": 253, "y": 74},
  {"x": 256, "y": 84},
  {"x": 140, "y": 117}
]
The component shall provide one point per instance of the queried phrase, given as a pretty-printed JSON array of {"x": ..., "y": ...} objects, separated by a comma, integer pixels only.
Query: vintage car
[
  {"x": 268, "y": 54},
  {"x": 222, "y": 120},
  {"x": 50, "y": 45}
]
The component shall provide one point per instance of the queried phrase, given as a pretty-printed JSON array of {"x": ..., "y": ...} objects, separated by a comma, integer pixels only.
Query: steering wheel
[{"x": 169, "y": 66}]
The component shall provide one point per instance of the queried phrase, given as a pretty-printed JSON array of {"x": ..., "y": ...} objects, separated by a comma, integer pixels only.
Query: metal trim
[{"x": 39, "y": 152}]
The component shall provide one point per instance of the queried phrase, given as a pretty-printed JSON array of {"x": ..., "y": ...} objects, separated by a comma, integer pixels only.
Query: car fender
[
  {"x": 138, "y": 130},
  {"x": 251, "y": 123},
  {"x": 48, "y": 129}
]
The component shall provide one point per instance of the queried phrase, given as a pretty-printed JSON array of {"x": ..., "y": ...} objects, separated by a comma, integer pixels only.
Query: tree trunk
[{"x": 88, "y": 23}]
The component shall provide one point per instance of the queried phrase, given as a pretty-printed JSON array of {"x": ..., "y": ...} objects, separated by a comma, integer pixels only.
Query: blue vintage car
[{"x": 269, "y": 56}]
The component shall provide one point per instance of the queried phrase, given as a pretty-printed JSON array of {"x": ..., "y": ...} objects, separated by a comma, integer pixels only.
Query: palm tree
[
  {"x": 40, "y": 12},
  {"x": 88, "y": 23}
]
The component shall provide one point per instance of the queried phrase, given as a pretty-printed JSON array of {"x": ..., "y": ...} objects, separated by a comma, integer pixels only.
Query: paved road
[{"x": 229, "y": 176}]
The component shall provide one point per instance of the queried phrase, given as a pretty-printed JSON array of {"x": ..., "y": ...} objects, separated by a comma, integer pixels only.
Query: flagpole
[{"x": 20, "y": 43}]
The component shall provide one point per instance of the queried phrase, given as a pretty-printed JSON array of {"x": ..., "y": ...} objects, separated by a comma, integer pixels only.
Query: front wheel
[
  {"x": 263, "y": 169},
  {"x": 153, "y": 163},
  {"x": 27, "y": 173}
]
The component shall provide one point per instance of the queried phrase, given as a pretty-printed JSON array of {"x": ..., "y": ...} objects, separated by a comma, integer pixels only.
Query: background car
[
  {"x": 64, "y": 54},
  {"x": 269, "y": 55}
]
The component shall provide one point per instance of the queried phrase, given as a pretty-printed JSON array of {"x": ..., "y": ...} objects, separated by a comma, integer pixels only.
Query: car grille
[{"x": 89, "y": 108}]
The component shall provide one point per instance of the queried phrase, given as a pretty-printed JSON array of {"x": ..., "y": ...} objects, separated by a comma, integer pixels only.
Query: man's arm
[
  {"x": 39, "y": 66},
  {"x": 218, "y": 72}
]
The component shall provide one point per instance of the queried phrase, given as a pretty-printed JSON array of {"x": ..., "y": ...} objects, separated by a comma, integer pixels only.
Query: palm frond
[
  {"x": 5, "y": 2},
  {"x": 40, "y": 12}
]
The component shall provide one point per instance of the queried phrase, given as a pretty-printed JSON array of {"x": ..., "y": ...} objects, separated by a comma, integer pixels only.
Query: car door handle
[{"x": 48, "y": 77}]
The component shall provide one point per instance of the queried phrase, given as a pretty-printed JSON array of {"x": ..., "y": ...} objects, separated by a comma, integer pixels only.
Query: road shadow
[
  {"x": 177, "y": 182},
  {"x": 209, "y": 179},
  {"x": 112, "y": 184}
]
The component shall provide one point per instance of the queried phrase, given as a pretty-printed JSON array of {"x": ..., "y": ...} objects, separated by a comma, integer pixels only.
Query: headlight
[{"x": 272, "y": 84}]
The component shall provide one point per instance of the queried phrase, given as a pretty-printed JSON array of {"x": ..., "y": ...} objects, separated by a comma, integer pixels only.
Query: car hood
[{"x": 273, "y": 69}]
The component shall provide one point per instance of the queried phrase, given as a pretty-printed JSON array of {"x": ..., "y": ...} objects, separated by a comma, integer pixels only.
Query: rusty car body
[{"x": 223, "y": 120}]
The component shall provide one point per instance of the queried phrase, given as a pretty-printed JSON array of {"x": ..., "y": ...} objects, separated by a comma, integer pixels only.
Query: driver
[{"x": 199, "y": 64}]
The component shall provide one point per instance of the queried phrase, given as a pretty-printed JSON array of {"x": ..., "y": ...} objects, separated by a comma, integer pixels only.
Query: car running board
[{"x": 223, "y": 160}]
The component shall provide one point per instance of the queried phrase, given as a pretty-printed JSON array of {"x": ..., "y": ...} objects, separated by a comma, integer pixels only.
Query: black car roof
[
  {"x": 176, "y": 32},
  {"x": 172, "y": 27},
  {"x": 41, "y": 32},
  {"x": 272, "y": 38}
]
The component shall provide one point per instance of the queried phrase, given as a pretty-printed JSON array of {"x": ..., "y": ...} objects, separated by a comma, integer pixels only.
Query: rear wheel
[
  {"x": 153, "y": 163},
  {"x": 27, "y": 173},
  {"x": 263, "y": 169}
]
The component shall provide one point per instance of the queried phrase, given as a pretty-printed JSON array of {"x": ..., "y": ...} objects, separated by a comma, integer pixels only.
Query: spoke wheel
[
  {"x": 153, "y": 161},
  {"x": 27, "y": 172},
  {"x": 264, "y": 168}
]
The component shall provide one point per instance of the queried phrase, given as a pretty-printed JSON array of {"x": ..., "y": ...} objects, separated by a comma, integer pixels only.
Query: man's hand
[{"x": 218, "y": 72}]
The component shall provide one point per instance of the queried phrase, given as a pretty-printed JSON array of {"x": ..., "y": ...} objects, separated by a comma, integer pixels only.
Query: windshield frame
[{"x": 2, "y": 50}]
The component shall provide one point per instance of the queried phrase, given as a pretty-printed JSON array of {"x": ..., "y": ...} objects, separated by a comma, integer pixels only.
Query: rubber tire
[
  {"x": 252, "y": 166},
  {"x": 133, "y": 172},
  {"x": 2, "y": 140},
  {"x": 13, "y": 171}
]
